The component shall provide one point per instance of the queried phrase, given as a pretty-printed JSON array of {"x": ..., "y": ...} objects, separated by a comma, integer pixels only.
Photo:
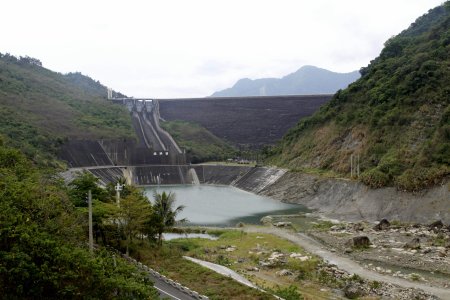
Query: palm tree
[{"x": 164, "y": 214}]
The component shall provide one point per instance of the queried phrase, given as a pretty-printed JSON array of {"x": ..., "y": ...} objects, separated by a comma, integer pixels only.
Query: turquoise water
[{"x": 223, "y": 205}]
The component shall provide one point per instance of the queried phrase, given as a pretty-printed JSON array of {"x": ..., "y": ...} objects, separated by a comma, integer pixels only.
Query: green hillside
[
  {"x": 396, "y": 117},
  {"x": 200, "y": 144},
  {"x": 41, "y": 108}
]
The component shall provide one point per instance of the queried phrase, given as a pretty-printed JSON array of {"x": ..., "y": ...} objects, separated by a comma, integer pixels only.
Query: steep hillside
[
  {"x": 40, "y": 108},
  {"x": 396, "y": 117},
  {"x": 200, "y": 144},
  {"x": 308, "y": 80}
]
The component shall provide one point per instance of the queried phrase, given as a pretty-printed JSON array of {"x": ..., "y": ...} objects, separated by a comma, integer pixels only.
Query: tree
[
  {"x": 164, "y": 215},
  {"x": 42, "y": 244},
  {"x": 80, "y": 186},
  {"x": 134, "y": 212}
]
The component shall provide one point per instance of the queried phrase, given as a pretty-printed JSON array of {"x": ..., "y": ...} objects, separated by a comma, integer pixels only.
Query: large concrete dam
[
  {"x": 249, "y": 121},
  {"x": 155, "y": 158}
]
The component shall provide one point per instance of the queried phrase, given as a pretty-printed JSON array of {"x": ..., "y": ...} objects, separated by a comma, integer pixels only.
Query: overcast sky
[{"x": 181, "y": 48}]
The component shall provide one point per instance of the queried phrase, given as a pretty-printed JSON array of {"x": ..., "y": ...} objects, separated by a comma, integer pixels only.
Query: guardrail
[{"x": 154, "y": 273}]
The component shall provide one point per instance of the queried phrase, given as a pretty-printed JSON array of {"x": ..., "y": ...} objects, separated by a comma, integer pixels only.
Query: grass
[
  {"x": 251, "y": 248},
  {"x": 168, "y": 260},
  {"x": 323, "y": 225}
]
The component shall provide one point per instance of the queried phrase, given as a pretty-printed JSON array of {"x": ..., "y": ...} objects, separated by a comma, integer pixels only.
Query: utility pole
[
  {"x": 357, "y": 167},
  {"x": 351, "y": 166},
  {"x": 118, "y": 188},
  {"x": 91, "y": 236}
]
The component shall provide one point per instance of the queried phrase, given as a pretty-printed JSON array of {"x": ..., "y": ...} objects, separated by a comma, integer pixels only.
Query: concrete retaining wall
[
  {"x": 220, "y": 175},
  {"x": 258, "y": 178}
]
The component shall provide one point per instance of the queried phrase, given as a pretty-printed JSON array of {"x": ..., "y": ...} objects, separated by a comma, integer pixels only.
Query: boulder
[
  {"x": 382, "y": 225},
  {"x": 284, "y": 272},
  {"x": 353, "y": 291},
  {"x": 358, "y": 242},
  {"x": 358, "y": 227},
  {"x": 437, "y": 225},
  {"x": 282, "y": 224},
  {"x": 266, "y": 220},
  {"x": 413, "y": 244}
]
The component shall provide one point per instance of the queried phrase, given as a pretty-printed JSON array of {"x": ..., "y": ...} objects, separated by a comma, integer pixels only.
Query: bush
[
  {"x": 375, "y": 178},
  {"x": 421, "y": 177},
  {"x": 289, "y": 293}
]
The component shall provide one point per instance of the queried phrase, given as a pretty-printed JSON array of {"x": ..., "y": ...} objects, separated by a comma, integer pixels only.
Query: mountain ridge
[{"x": 308, "y": 80}]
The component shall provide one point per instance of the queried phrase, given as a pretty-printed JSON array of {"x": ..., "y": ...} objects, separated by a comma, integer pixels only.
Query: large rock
[
  {"x": 266, "y": 220},
  {"x": 358, "y": 242},
  {"x": 284, "y": 272},
  {"x": 358, "y": 226},
  {"x": 383, "y": 225},
  {"x": 413, "y": 244},
  {"x": 353, "y": 291},
  {"x": 437, "y": 225}
]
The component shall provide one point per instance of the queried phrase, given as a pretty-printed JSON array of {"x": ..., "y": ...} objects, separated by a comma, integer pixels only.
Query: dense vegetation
[
  {"x": 43, "y": 251},
  {"x": 396, "y": 117},
  {"x": 40, "y": 109},
  {"x": 200, "y": 144}
]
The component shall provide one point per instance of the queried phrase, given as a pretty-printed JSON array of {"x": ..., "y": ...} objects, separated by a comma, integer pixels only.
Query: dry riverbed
[
  {"x": 273, "y": 263},
  {"x": 414, "y": 252}
]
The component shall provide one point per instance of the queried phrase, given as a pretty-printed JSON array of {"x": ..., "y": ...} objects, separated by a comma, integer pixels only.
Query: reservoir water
[{"x": 223, "y": 205}]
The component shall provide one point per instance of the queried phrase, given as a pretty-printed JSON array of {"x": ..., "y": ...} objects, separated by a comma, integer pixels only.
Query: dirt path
[{"x": 345, "y": 263}]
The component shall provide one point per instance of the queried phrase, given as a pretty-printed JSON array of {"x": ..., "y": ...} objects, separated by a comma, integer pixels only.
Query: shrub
[{"x": 375, "y": 178}]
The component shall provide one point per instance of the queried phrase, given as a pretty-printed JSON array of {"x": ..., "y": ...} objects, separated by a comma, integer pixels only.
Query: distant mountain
[{"x": 308, "y": 80}]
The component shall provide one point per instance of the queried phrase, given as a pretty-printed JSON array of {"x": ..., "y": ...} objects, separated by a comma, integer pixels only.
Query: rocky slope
[{"x": 353, "y": 201}]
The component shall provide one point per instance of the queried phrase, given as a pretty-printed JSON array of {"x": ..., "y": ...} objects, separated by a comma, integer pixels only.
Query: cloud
[{"x": 184, "y": 48}]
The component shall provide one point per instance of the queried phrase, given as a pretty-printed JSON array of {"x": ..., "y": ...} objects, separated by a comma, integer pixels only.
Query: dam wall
[
  {"x": 123, "y": 152},
  {"x": 252, "y": 179},
  {"x": 258, "y": 178},
  {"x": 220, "y": 175},
  {"x": 84, "y": 153},
  {"x": 108, "y": 175}
]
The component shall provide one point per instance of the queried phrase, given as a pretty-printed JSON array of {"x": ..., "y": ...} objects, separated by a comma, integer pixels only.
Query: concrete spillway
[{"x": 153, "y": 146}]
